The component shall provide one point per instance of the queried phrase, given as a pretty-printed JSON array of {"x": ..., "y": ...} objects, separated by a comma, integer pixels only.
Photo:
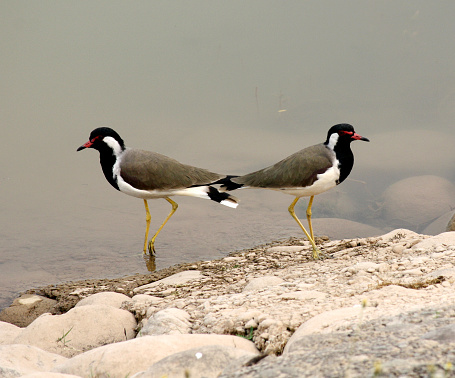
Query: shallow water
[{"x": 215, "y": 87}]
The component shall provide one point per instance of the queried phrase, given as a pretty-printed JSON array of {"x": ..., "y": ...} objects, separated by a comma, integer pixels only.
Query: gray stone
[
  {"x": 26, "y": 309},
  {"x": 129, "y": 357},
  {"x": 321, "y": 321},
  {"x": 203, "y": 362},
  {"x": 406, "y": 202},
  {"x": 444, "y": 334},
  {"x": 441, "y": 224},
  {"x": 451, "y": 224}
]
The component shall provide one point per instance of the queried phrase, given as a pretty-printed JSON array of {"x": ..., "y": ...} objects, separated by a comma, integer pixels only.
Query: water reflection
[{"x": 150, "y": 262}]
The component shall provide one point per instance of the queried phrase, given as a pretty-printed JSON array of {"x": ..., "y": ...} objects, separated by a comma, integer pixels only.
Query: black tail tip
[
  {"x": 227, "y": 184},
  {"x": 222, "y": 197}
]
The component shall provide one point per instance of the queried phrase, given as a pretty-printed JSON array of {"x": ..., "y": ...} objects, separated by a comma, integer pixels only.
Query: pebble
[{"x": 398, "y": 249}]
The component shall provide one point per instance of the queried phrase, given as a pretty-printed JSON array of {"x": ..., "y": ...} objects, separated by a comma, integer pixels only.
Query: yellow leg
[
  {"x": 292, "y": 212},
  {"x": 308, "y": 216},
  {"x": 147, "y": 227},
  {"x": 152, "y": 240}
]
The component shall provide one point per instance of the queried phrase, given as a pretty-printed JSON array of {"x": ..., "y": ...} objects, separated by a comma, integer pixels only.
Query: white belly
[
  {"x": 126, "y": 188},
  {"x": 325, "y": 181}
]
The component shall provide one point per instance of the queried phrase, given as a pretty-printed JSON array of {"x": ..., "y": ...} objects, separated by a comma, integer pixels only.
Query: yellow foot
[
  {"x": 318, "y": 254},
  {"x": 151, "y": 248}
]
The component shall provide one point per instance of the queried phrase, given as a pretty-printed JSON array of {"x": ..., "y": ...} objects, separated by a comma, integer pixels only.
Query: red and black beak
[
  {"x": 90, "y": 143},
  {"x": 86, "y": 145},
  {"x": 356, "y": 136}
]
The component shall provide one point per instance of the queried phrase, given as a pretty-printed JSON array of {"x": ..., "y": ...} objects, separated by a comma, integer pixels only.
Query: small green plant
[
  {"x": 63, "y": 339},
  {"x": 249, "y": 336}
]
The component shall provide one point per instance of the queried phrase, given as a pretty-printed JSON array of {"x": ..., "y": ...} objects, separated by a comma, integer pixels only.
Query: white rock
[
  {"x": 8, "y": 332},
  {"x": 446, "y": 238},
  {"x": 224, "y": 326},
  {"x": 142, "y": 304},
  {"x": 209, "y": 320},
  {"x": 304, "y": 295},
  {"x": 419, "y": 260},
  {"x": 412, "y": 272},
  {"x": 362, "y": 281},
  {"x": 175, "y": 279},
  {"x": 262, "y": 282},
  {"x": 17, "y": 360},
  {"x": 245, "y": 316},
  {"x": 305, "y": 286},
  {"x": 30, "y": 299},
  {"x": 129, "y": 357},
  {"x": 398, "y": 248},
  {"x": 232, "y": 258},
  {"x": 107, "y": 298},
  {"x": 284, "y": 248},
  {"x": 392, "y": 291},
  {"x": 266, "y": 323},
  {"x": 207, "y": 361},
  {"x": 251, "y": 324},
  {"x": 85, "y": 327},
  {"x": 365, "y": 266},
  {"x": 170, "y": 321},
  {"x": 444, "y": 272},
  {"x": 146, "y": 299},
  {"x": 383, "y": 267}
]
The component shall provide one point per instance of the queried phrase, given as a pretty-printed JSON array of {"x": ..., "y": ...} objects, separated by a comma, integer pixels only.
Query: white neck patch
[
  {"x": 112, "y": 143},
  {"x": 333, "y": 141}
]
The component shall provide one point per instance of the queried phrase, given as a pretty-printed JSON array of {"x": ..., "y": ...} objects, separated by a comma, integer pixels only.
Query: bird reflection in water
[{"x": 149, "y": 262}]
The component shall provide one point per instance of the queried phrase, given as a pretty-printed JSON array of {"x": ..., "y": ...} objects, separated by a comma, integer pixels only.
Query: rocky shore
[{"x": 376, "y": 307}]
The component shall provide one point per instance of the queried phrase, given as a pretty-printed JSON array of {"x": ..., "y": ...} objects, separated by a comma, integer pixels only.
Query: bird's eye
[{"x": 343, "y": 132}]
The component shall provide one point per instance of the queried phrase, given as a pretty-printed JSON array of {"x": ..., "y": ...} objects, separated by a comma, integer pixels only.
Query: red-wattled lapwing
[
  {"x": 306, "y": 173},
  {"x": 147, "y": 175}
]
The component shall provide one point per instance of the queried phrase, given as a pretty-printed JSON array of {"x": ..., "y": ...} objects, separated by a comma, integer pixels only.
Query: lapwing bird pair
[{"x": 149, "y": 175}]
